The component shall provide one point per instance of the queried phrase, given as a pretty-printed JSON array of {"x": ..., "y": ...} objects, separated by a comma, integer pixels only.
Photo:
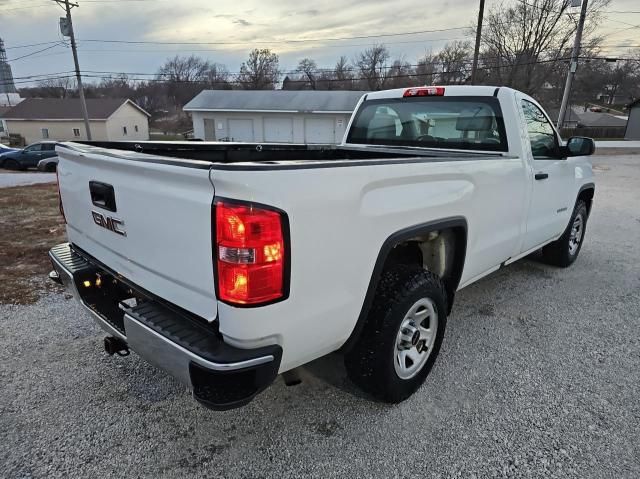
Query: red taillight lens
[
  {"x": 424, "y": 91},
  {"x": 60, "y": 198},
  {"x": 250, "y": 253}
]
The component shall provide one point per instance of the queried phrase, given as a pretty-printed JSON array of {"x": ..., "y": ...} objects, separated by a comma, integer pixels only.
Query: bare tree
[
  {"x": 117, "y": 86},
  {"x": 455, "y": 61},
  {"x": 55, "y": 88},
  {"x": 371, "y": 65},
  {"x": 521, "y": 41},
  {"x": 260, "y": 71},
  {"x": 400, "y": 74},
  {"x": 217, "y": 77},
  {"x": 343, "y": 75},
  {"x": 308, "y": 69},
  {"x": 185, "y": 77},
  {"x": 426, "y": 69}
]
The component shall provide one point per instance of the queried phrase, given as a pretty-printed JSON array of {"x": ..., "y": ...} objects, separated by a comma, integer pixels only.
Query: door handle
[
  {"x": 541, "y": 176},
  {"x": 102, "y": 195}
]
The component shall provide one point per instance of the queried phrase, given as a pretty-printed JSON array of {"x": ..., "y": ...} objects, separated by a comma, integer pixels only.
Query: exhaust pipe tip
[{"x": 117, "y": 346}]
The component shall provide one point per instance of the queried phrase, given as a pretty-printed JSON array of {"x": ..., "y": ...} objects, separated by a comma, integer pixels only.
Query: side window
[
  {"x": 542, "y": 136},
  {"x": 36, "y": 147},
  {"x": 48, "y": 147},
  {"x": 124, "y": 131},
  {"x": 76, "y": 132}
]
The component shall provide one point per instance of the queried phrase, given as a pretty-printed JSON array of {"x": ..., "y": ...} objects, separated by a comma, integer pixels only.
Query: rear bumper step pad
[{"x": 221, "y": 376}]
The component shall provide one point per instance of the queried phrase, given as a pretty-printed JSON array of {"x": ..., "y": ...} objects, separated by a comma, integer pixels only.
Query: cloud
[{"x": 241, "y": 21}]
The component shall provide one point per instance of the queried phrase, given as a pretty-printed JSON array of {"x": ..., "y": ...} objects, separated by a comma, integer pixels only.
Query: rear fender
[{"x": 452, "y": 279}]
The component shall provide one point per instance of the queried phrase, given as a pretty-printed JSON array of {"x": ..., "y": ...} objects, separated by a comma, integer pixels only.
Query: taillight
[
  {"x": 60, "y": 198},
  {"x": 424, "y": 91},
  {"x": 251, "y": 253}
]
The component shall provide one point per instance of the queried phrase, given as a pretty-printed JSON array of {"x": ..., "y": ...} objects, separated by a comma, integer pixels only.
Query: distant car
[
  {"x": 48, "y": 164},
  {"x": 29, "y": 156},
  {"x": 6, "y": 149}
]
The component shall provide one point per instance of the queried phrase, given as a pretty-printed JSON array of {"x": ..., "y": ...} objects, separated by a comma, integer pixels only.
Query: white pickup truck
[{"x": 226, "y": 264}]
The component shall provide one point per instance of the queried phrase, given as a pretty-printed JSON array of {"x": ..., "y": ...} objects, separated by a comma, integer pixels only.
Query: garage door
[
  {"x": 241, "y": 130},
  {"x": 319, "y": 130},
  {"x": 278, "y": 130}
]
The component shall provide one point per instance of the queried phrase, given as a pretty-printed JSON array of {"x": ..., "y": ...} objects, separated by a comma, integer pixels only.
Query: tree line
[{"x": 526, "y": 46}]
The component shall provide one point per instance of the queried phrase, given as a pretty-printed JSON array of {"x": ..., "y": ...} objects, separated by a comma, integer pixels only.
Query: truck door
[{"x": 551, "y": 177}]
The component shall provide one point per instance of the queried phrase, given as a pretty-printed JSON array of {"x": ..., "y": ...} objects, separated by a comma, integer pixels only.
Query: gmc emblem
[{"x": 107, "y": 222}]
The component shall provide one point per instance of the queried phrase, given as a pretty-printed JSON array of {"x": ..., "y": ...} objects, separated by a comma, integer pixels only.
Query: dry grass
[{"x": 30, "y": 224}]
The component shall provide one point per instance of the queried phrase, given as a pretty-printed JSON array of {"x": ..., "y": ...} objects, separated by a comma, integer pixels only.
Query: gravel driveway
[{"x": 539, "y": 376}]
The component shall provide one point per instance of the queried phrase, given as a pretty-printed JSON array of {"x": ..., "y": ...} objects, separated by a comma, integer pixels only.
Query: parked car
[
  {"x": 28, "y": 157},
  {"x": 227, "y": 264},
  {"x": 48, "y": 164},
  {"x": 6, "y": 149}
]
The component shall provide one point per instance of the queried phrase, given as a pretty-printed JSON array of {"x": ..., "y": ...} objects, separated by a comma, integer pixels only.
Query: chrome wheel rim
[
  {"x": 415, "y": 339},
  {"x": 577, "y": 229}
]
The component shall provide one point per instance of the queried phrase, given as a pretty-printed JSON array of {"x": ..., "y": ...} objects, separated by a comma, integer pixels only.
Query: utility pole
[
  {"x": 83, "y": 103},
  {"x": 573, "y": 66},
  {"x": 476, "y": 52}
]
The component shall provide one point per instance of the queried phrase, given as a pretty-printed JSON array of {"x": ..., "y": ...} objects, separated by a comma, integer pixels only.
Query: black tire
[
  {"x": 563, "y": 252},
  {"x": 51, "y": 167},
  {"x": 370, "y": 363},
  {"x": 11, "y": 164}
]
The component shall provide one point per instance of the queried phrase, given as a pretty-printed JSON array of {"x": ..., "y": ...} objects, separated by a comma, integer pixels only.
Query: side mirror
[{"x": 580, "y": 146}]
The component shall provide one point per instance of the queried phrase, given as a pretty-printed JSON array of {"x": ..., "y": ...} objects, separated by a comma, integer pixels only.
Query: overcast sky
[{"x": 230, "y": 29}]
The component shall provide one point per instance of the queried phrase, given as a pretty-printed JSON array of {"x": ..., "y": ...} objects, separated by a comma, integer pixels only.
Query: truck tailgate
[{"x": 158, "y": 232}]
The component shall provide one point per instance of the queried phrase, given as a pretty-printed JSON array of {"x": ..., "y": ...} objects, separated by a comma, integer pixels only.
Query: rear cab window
[{"x": 467, "y": 123}]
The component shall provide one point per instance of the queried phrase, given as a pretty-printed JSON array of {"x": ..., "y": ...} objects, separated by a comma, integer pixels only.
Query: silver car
[{"x": 48, "y": 164}]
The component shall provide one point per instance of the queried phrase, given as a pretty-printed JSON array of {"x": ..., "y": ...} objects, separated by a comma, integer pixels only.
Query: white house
[
  {"x": 272, "y": 116},
  {"x": 110, "y": 119}
]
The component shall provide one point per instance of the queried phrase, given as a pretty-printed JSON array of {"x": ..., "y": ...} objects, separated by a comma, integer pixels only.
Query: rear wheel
[
  {"x": 402, "y": 336},
  {"x": 51, "y": 167},
  {"x": 564, "y": 251}
]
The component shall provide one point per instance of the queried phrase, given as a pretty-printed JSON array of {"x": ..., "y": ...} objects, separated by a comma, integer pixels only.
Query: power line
[
  {"x": 33, "y": 53},
  {"x": 32, "y": 45}
]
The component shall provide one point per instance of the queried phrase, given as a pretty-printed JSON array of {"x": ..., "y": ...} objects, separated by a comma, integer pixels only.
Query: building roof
[
  {"x": 65, "y": 109},
  {"x": 588, "y": 118},
  {"x": 592, "y": 118},
  {"x": 275, "y": 101}
]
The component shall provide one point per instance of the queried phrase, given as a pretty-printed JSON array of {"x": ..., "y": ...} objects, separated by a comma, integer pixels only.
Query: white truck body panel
[{"x": 166, "y": 212}]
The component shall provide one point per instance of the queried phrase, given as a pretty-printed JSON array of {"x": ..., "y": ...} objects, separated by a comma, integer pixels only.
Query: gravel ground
[
  {"x": 30, "y": 178},
  {"x": 538, "y": 377}
]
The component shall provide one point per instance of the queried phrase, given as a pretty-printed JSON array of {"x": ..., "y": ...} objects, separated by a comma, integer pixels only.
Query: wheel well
[
  {"x": 440, "y": 251},
  {"x": 439, "y": 246},
  {"x": 586, "y": 195}
]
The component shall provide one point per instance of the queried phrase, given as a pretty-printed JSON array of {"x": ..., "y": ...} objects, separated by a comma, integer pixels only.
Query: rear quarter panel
[{"x": 340, "y": 218}]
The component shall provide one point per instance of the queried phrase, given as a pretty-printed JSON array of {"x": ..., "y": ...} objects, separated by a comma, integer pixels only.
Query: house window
[
  {"x": 76, "y": 132},
  {"x": 45, "y": 133},
  {"x": 136, "y": 128},
  {"x": 124, "y": 131}
]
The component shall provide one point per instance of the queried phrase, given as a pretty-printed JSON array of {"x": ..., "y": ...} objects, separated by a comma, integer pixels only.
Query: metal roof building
[
  {"x": 111, "y": 119},
  {"x": 279, "y": 116}
]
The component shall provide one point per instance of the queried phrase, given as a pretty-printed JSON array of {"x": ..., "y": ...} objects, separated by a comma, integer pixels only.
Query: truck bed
[{"x": 226, "y": 152}]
